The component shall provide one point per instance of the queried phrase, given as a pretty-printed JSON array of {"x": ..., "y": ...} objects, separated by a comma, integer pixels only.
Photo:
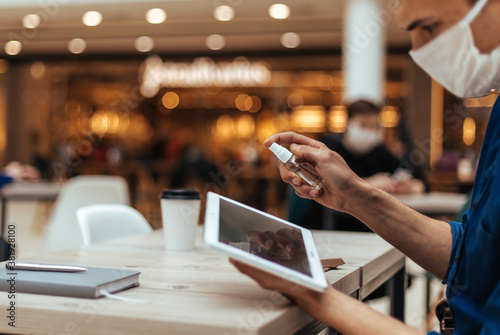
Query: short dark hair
[{"x": 362, "y": 107}]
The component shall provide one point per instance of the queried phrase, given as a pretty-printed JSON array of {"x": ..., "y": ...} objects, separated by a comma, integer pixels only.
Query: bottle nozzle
[{"x": 282, "y": 153}]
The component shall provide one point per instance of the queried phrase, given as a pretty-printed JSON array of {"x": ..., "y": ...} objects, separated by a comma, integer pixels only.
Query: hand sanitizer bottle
[{"x": 299, "y": 166}]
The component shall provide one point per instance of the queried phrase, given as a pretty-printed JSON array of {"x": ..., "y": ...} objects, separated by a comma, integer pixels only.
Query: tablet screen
[{"x": 262, "y": 236}]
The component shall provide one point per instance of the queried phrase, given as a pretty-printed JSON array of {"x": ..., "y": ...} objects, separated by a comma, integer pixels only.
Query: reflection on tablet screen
[{"x": 262, "y": 236}]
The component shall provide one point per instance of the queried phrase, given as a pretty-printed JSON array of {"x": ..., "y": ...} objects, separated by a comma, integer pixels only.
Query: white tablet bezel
[{"x": 316, "y": 282}]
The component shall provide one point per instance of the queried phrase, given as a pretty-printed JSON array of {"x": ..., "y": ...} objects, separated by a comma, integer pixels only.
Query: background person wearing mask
[
  {"x": 362, "y": 148},
  {"x": 457, "y": 42}
]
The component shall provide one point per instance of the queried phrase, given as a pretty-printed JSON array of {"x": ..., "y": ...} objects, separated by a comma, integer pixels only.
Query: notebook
[{"x": 87, "y": 284}]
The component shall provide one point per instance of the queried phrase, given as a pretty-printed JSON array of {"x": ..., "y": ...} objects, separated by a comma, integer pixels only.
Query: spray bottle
[{"x": 299, "y": 166}]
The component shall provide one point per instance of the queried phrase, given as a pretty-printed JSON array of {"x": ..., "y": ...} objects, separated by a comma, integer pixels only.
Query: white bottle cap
[{"x": 282, "y": 153}]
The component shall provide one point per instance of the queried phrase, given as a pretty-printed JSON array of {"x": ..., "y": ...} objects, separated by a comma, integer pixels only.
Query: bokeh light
[
  {"x": 77, "y": 46},
  {"x": 156, "y": 16},
  {"x": 224, "y": 13},
  {"x": 245, "y": 126},
  {"x": 31, "y": 21},
  {"x": 13, "y": 47},
  {"x": 279, "y": 11},
  {"x": 170, "y": 100},
  {"x": 37, "y": 70},
  {"x": 389, "y": 117},
  {"x": 337, "y": 119},
  {"x": 469, "y": 131},
  {"x": 215, "y": 42},
  {"x": 239, "y": 102},
  {"x": 290, "y": 40},
  {"x": 309, "y": 119},
  {"x": 92, "y": 18},
  {"x": 144, "y": 44}
]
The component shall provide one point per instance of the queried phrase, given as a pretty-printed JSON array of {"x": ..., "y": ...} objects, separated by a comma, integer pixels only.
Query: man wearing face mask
[
  {"x": 458, "y": 43},
  {"x": 362, "y": 148}
]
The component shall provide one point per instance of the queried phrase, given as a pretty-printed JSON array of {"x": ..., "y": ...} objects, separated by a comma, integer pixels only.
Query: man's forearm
[
  {"x": 351, "y": 317},
  {"x": 426, "y": 241}
]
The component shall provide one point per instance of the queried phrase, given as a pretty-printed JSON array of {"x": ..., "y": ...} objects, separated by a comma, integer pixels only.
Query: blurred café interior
[
  {"x": 179, "y": 94},
  {"x": 182, "y": 93}
]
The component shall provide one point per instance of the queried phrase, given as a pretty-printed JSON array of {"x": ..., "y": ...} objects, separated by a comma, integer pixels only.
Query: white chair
[
  {"x": 105, "y": 222},
  {"x": 63, "y": 231}
]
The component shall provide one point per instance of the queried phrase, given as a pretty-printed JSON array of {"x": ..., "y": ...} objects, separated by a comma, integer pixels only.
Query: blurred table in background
[
  {"x": 435, "y": 203},
  {"x": 448, "y": 181},
  {"x": 28, "y": 191}
]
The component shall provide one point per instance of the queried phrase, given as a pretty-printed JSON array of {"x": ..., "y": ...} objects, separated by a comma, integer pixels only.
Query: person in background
[
  {"x": 17, "y": 171},
  {"x": 362, "y": 147}
]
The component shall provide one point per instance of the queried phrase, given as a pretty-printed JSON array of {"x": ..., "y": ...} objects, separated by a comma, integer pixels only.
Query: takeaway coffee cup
[{"x": 179, "y": 211}]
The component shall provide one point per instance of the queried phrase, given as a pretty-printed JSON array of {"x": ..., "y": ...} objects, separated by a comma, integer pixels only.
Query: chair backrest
[
  {"x": 105, "y": 222},
  {"x": 63, "y": 231}
]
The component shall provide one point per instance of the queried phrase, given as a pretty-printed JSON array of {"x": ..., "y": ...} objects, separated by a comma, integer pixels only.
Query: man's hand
[
  {"x": 293, "y": 291},
  {"x": 340, "y": 182}
]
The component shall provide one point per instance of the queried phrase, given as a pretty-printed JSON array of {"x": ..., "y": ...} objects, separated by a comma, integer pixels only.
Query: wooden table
[{"x": 198, "y": 291}]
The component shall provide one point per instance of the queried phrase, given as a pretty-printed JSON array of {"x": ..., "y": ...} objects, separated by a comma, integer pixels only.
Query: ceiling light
[
  {"x": 290, "y": 40},
  {"x": 144, "y": 44},
  {"x": 224, "y": 13},
  {"x": 279, "y": 11},
  {"x": 77, "y": 46},
  {"x": 156, "y": 16},
  {"x": 13, "y": 47},
  {"x": 31, "y": 21},
  {"x": 92, "y": 18},
  {"x": 215, "y": 42}
]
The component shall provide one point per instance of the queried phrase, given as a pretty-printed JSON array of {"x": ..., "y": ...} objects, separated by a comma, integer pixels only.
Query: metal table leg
[{"x": 397, "y": 288}]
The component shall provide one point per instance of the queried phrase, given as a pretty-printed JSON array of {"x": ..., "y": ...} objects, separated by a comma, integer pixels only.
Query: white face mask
[
  {"x": 456, "y": 63},
  {"x": 361, "y": 141}
]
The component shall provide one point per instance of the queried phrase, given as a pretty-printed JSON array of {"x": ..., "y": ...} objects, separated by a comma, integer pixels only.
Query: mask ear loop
[{"x": 478, "y": 7}]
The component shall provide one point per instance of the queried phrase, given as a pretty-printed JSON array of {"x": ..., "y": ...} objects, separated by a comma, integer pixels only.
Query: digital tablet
[{"x": 263, "y": 241}]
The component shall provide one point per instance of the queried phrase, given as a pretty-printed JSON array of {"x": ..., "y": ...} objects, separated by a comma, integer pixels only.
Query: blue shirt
[{"x": 473, "y": 275}]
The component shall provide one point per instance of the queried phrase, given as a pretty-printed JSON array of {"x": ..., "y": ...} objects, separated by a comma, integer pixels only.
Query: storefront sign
[{"x": 202, "y": 72}]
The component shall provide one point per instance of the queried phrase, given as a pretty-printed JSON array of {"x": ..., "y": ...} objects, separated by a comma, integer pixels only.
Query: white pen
[{"x": 43, "y": 267}]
